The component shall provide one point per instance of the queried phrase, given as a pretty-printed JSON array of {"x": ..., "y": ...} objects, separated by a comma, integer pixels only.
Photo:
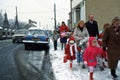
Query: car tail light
[{"x": 47, "y": 39}]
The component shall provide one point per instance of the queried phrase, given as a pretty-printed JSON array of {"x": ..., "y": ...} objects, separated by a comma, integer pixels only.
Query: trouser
[
  {"x": 91, "y": 68},
  {"x": 79, "y": 57},
  {"x": 63, "y": 45},
  {"x": 113, "y": 73},
  {"x": 55, "y": 44}
]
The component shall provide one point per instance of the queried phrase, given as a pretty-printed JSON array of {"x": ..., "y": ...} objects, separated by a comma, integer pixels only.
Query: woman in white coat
[{"x": 81, "y": 36}]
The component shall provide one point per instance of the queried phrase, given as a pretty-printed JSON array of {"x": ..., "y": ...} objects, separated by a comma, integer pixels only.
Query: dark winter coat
[
  {"x": 92, "y": 28},
  {"x": 112, "y": 42}
]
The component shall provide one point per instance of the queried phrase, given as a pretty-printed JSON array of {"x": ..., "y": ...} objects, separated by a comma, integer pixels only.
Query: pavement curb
[{"x": 29, "y": 71}]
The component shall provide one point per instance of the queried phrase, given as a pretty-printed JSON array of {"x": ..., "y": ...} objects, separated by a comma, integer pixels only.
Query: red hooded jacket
[{"x": 91, "y": 53}]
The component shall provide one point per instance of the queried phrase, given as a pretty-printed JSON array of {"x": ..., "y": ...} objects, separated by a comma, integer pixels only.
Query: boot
[
  {"x": 91, "y": 75},
  {"x": 70, "y": 65},
  {"x": 83, "y": 66},
  {"x": 113, "y": 73},
  {"x": 104, "y": 65},
  {"x": 101, "y": 68},
  {"x": 61, "y": 46}
]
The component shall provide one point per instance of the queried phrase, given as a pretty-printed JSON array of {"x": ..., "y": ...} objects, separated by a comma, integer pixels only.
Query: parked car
[
  {"x": 18, "y": 35},
  {"x": 36, "y": 39},
  {"x": 1, "y": 33}
]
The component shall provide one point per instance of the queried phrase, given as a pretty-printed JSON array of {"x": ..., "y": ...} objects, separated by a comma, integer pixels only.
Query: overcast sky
[{"x": 39, "y": 10}]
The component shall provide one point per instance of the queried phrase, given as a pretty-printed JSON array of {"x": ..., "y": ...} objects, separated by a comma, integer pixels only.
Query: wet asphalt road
[{"x": 8, "y": 69}]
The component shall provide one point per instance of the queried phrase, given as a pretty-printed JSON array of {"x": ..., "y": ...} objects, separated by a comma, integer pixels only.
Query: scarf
[
  {"x": 75, "y": 47},
  {"x": 81, "y": 28}
]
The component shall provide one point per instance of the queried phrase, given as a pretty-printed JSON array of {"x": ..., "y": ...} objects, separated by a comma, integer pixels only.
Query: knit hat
[{"x": 71, "y": 40}]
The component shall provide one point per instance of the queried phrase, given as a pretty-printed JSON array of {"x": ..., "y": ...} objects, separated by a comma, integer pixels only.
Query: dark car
[{"x": 36, "y": 39}]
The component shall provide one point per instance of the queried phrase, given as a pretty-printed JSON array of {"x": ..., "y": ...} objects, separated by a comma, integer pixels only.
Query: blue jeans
[{"x": 79, "y": 57}]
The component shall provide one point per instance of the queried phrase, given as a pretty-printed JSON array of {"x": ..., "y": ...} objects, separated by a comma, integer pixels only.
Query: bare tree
[{"x": 1, "y": 18}]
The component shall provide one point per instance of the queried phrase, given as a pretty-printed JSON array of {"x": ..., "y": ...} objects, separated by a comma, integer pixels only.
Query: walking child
[
  {"x": 90, "y": 55},
  {"x": 104, "y": 56},
  {"x": 70, "y": 50}
]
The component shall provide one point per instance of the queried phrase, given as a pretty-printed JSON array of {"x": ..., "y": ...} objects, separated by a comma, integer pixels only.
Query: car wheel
[
  {"x": 13, "y": 41},
  {"x": 26, "y": 46}
]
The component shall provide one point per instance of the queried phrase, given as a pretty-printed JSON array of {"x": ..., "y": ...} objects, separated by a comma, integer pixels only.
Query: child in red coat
[
  {"x": 106, "y": 25},
  {"x": 104, "y": 55},
  {"x": 70, "y": 50},
  {"x": 103, "y": 58},
  {"x": 90, "y": 55}
]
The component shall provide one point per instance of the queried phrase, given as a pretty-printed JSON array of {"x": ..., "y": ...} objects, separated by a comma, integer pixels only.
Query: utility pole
[
  {"x": 55, "y": 16},
  {"x": 71, "y": 13},
  {"x": 16, "y": 26}
]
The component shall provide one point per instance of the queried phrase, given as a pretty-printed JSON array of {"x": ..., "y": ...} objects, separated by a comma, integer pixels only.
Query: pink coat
[{"x": 91, "y": 53}]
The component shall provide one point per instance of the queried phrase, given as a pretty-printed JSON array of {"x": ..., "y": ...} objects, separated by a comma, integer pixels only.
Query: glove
[
  {"x": 85, "y": 62},
  {"x": 82, "y": 51},
  {"x": 104, "y": 48},
  {"x": 97, "y": 37}
]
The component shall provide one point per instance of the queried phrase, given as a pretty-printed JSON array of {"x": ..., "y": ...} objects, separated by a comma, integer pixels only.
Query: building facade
[{"x": 103, "y": 10}]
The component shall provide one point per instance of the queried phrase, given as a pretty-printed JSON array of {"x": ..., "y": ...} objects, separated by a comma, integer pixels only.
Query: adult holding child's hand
[{"x": 111, "y": 43}]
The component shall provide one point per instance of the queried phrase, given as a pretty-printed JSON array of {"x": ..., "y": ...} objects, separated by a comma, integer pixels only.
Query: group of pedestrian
[
  {"x": 63, "y": 29},
  {"x": 86, "y": 44},
  {"x": 85, "y": 38}
]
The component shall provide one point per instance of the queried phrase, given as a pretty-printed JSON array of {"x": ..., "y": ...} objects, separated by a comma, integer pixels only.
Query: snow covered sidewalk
[{"x": 63, "y": 72}]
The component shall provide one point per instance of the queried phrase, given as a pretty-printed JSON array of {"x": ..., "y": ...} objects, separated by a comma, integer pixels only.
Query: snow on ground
[{"x": 63, "y": 72}]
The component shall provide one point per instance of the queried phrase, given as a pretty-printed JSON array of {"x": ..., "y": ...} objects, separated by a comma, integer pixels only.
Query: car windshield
[
  {"x": 21, "y": 31},
  {"x": 37, "y": 32}
]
